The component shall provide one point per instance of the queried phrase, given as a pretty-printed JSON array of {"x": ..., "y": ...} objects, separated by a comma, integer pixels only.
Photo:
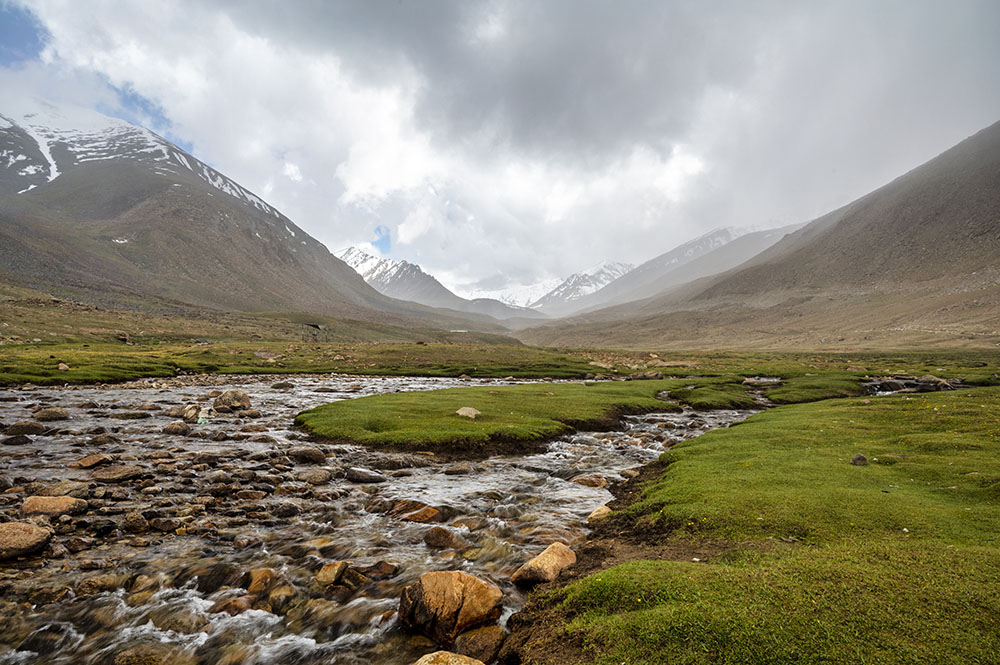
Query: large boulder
[
  {"x": 481, "y": 643},
  {"x": 545, "y": 567},
  {"x": 50, "y": 414},
  {"x": 22, "y": 427},
  {"x": 53, "y": 506},
  {"x": 21, "y": 538},
  {"x": 235, "y": 400},
  {"x": 444, "y": 604},
  {"x": 446, "y": 658}
]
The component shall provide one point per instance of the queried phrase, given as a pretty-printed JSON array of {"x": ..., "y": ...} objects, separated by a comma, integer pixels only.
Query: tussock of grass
[
  {"x": 723, "y": 394},
  {"x": 525, "y": 413},
  {"x": 888, "y": 563},
  {"x": 797, "y": 389}
]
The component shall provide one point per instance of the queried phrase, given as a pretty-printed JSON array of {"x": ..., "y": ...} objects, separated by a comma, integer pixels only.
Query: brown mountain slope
[{"x": 914, "y": 262}]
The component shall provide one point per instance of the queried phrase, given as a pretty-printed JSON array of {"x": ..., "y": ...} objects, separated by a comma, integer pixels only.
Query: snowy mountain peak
[
  {"x": 378, "y": 272},
  {"x": 583, "y": 283},
  {"x": 39, "y": 141}
]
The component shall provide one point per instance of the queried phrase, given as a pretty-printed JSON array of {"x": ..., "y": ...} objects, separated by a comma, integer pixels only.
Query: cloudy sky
[{"x": 507, "y": 142}]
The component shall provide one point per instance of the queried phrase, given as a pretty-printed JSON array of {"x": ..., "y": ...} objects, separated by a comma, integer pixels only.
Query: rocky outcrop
[
  {"x": 444, "y": 604},
  {"x": 545, "y": 567}
]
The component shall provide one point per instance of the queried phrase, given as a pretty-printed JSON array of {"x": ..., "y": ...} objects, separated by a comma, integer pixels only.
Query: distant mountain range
[
  {"x": 916, "y": 262},
  {"x": 407, "y": 281}
]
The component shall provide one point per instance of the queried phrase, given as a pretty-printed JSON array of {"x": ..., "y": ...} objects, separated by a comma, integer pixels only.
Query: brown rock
[
  {"x": 117, "y": 474},
  {"x": 442, "y": 538},
  {"x": 233, "y": 399},
  {"x": 261, "y": 580},
  {"x": 233, "y": 606},
  {"x": 595, "y": 480},
  {"x": 314, "y": 476},
  {"x": 179, "y": 428},
  {"x": 307, "y": 455},
  {"x": 92, "y": 460},
  {"x": 21, "y": 538},
  {"x": 331, "y": 572},
  {"x": 53, "y": 506},
  {"x": 444, "y": 658},
  {"x": 545, "y": 567},
  {"x": 280, "y": 596},
  {"x": 481, "y": 643},
  {"x": 29, "y": 427},
  {"x": 859, "y": 460},
  {"x": 154, "y": 654},
  {"x": 65, "y": 488},
  {"x": 444, "y": 604},
  {"x": 134, "y": 522},
  {"x": 50, "y": 414},
  {"x": 599, "y": 513},
  {"x": 17, "y": 440},
  {"x": 62, "y": 367}
]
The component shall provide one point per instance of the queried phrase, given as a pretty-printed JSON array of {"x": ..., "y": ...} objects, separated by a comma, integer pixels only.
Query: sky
[{"x": 504, "y": 143}]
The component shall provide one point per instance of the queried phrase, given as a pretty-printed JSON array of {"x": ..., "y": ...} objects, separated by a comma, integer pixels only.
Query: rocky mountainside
[
  {"x": 408, "y": 281},
  {"x": 580, "y": 284},
  {"x": 96, "y": 208},
  {"x": 914, "y": 262}
]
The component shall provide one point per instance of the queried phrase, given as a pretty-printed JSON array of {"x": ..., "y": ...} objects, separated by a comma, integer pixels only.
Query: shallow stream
[{"x": 238, "y": 494}]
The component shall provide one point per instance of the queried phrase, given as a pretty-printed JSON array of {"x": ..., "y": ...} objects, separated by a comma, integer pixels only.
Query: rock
[
  {"x": 482, "y": 644},
  {"x": 29, "y": 427},
  {"x": 53, "y": 506},
  {"x": 444, "y": 604},
  {"x": 307, "y": 455},
  {"x": 545, "y": 567},
  {"x": 48, "y": 640},
  {"x": 469, "y": 412},
  {"x": 261, "y": 580},
  {"x": 331, "y": 572},
  {"x": 104, "y": 440},
  {"x": 154, "y": 654},
  {"x": 282, "y": 385},
  {"x": 233, "y": 399},
  {"x": 99, "y": 583},
  {"x": 314, "y": 476},
  {"x": 599, "y": 513},
  {"x": 50, "y": 414},
  {"x": 459, "y": 469},
  {"x": 286, "y": 509},
  {"x": 380, "y": 570},
  {"x": 233, "y": 606},
  {"x": 179, "y": 428},
  {"x": 22, "y": 538},
  {"x": 280, "y": 596},
  {"x": 443, "y": 538},
  {"x": 62, "y": 367},
  {"x": 92, "y": 460},
  {"x": 165, "y": 524},
  {"x": 18, "y": 440},
  {"x": 594, "y": 480},
  {"x": 117, "y": 474},
  {"x": 859, "y": 460},
  {"x": 190, "y": 413},
  {"x": 65, "y": 488},
  {"x": 358, "y": 475},
  {"x": 414, "y": 511},
  {"x": 444, "y": 658},
  {"x": 133, "y": 522}
]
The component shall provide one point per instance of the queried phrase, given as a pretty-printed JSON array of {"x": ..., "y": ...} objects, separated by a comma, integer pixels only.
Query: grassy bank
[
  {"x": 523, "y": 414},
  {"x": 817, "y": 560}
]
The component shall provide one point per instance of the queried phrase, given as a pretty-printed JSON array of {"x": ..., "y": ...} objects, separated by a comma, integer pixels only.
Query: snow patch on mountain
[
  {"x": 583, "y": 283},
  {"x": 518, "y": 295}
]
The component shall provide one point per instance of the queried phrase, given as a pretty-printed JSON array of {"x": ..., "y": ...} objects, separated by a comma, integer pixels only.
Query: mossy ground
[{"x": 893, "y": 562}]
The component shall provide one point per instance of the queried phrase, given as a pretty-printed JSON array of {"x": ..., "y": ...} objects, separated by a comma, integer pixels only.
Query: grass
[
  {"x": 726, "y": 393},
  {"x": 521, "y": 414},
  {"x": 894, "y": 562}
]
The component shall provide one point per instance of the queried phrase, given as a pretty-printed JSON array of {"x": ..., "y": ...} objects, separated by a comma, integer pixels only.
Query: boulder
[
  {"x": 441, "y": 538},
  {"x": 117, "y": 474},
  {"x": 133, "y": 522},
  {"x": 191, "y": 413},
  {"x": 594, "y": 480},
  {"x": 50, "y": 414},
  {"x": 444, "y": 604},
  {"x": 859, "y": 460},
  {"x": 235, "y": 400},
  {"x": 314, "y": 476},
  {"x": 446, "y": 658},
  {"x": 545, "y": 567},
  {"x": 53, "y": 506},
  {"x": 358, "y": 475},
  {"x": 65, "y": 488},
  {"x": 307, "y": 455},
  {"x": 482, "y": 644},
  {"x": 21, "y": 538},
  {"x": 17, "y": 440},
  {"x": 62, "y": 367},
  {"x": 469, "y": 412},
  {"x": 331, "y": 572},
  {"x": 599, "y": 513},
  {"x": 92, "y": 460},
  {"x": 154, "y": 654},
  {"x": 178, "y": 428},
  {"x": 29, "y": 427}
]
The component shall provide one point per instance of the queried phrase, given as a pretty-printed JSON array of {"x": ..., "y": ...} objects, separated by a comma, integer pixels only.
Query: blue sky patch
[
  {"x": 383, "y": 239},
  {"x": 22, "y": 37}
]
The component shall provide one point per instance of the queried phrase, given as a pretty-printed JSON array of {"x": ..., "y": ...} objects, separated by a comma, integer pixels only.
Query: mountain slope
[
  {"x": 407, "y": 281},
  {"x": 97, "y": 208},
  {"x": 914, "y": 262}
]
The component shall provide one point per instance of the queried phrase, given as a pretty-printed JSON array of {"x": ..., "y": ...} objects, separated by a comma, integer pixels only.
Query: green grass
[
  {"x": 525, "y": 413},
  {"x": 727, "y": 393},
  {"x": 894, "y": 562}
]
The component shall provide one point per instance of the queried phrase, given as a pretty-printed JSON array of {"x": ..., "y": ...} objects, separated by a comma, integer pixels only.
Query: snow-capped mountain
[
  {"x": 583, "y": 283},
  {"x": 39, "y": 141},
  {"x": 408, "y": 281},
  {"x": 519, "y": 295}
]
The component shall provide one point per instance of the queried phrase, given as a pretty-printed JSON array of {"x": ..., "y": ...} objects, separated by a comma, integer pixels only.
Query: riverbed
[{"x": 165, "y": 556}]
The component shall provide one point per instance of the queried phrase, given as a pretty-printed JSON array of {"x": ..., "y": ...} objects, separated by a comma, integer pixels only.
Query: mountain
[
  {"x": 580, "y": 284},
  {"x": 97, "y": 208},
  {"x": 407, "y": 281},
  {"x": 635, "y": 283},
  {"x": 518, "y": 295},
  {"x": 916, "y": 261}
]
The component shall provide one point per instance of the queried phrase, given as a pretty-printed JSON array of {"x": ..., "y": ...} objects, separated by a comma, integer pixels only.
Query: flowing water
[{"x": 236, "y": 495}]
